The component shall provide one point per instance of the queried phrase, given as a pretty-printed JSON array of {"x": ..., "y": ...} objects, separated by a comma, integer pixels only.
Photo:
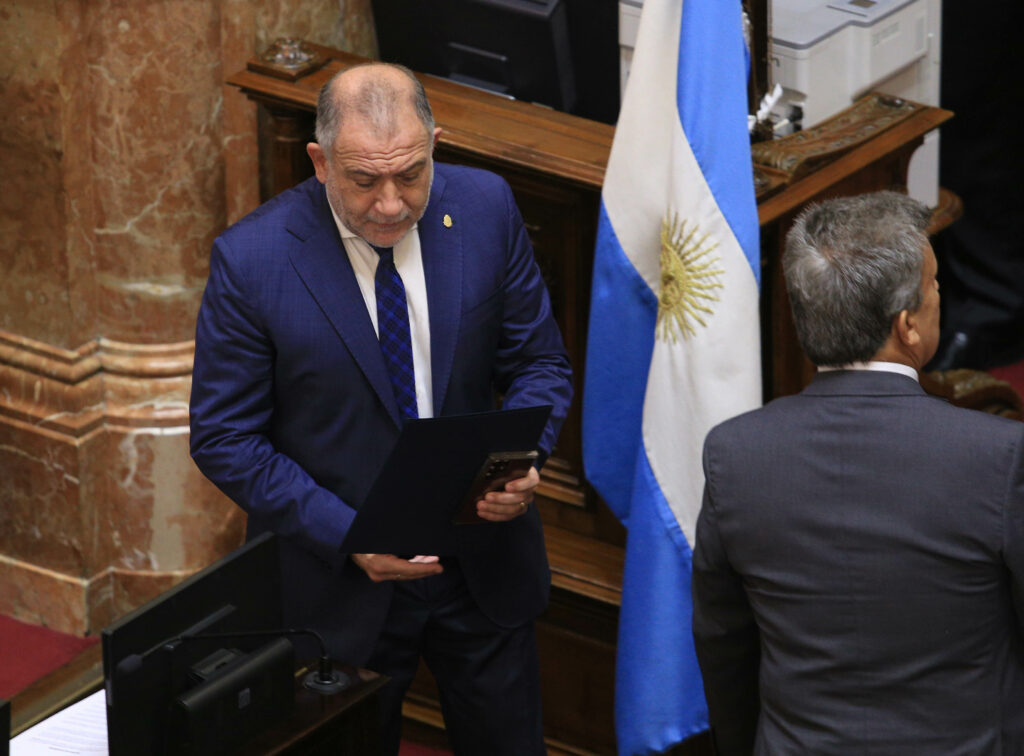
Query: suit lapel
[
  {"x": 441, "y": 246},
  {"x": 322, "y": 264}
]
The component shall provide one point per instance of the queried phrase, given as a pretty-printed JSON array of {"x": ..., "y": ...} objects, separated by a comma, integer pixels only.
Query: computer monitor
[
  {"x": 518, "y": 48},
  {"x": 149, "y": 669}
]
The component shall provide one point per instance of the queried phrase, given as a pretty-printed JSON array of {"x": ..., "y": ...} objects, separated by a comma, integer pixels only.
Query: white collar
[{"x": 884, "y": 367}]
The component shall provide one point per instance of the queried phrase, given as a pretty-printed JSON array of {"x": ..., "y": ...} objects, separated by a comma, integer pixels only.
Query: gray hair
[
  {"x": 376, "y": 100},
  {"x": 852, "y": 264}
]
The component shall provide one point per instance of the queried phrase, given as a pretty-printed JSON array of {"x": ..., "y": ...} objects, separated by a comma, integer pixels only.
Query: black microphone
[{"x": 325, "y": 679}]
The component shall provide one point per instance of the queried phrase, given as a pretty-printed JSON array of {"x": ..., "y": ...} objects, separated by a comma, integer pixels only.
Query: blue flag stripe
[
  {"x": 623, "y": 313},
  {"x": 656, "y": 654},
  {"x": 712, "y": 102}
]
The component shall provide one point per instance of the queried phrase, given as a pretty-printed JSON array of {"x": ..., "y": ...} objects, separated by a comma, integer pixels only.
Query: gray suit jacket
[{"x": 858, "y": 575}]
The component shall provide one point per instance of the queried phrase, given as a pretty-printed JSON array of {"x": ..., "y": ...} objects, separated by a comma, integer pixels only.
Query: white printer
[{"x": 827, "y": 53}]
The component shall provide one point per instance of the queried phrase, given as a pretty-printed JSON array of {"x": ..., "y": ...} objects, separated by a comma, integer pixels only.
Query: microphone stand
[{"x": 324, "y": 679}]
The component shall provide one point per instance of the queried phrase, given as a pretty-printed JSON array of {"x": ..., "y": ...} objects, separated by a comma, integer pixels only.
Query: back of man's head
[{"x": 851, "y": 265}]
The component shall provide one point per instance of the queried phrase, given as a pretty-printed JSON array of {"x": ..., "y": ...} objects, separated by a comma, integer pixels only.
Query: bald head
[
  {"x": 376, "y": 93},
  {"x": 374, "y": 153}
]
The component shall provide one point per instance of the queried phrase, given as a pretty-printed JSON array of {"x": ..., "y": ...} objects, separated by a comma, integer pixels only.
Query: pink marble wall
[
  {"x": 155, "y": 160},
  {"x": 33, "y": 220},
  {"x": 122, "y": 154},
  {"x": 250, "y": 26}
]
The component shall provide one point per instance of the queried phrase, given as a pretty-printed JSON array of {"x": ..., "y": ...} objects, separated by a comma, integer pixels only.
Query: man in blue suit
[
  {"x": 305, "y": 370},
  {"x": 858, "y": 574}
]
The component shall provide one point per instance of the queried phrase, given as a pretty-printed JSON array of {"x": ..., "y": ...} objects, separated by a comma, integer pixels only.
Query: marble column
[
  {"x": 248, "y": 27},
  {"x": 122, "y": 156}
]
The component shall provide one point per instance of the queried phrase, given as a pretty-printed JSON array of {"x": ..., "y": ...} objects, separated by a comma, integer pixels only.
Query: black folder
[{"x": 410, "y": 506}]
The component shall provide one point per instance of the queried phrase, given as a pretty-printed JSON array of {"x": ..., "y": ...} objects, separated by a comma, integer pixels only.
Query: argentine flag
[{"x": 674, "y": 340}]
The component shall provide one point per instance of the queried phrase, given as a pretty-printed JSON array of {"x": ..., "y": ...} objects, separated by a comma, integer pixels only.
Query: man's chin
[{"x": 386, "y": 236}]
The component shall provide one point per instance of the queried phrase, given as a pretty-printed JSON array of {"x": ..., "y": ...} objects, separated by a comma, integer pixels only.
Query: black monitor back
[
  {"x": 560, "y": 53},
  {"x": 145, "y": 669}
]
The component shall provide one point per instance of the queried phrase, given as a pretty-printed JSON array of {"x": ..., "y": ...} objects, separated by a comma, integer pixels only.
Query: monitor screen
[{"x": 147, "y": 667}]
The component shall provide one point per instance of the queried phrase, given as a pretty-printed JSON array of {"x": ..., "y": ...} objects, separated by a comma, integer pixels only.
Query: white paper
[{"x": 78, "y": 730}]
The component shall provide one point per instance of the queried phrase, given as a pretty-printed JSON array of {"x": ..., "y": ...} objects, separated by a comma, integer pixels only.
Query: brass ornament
[
  {"x": 447, "y": 220},
  {"x": 688, "y": 279}
]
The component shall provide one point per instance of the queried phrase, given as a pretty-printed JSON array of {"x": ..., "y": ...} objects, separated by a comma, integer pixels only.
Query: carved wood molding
[
  {"x": 75, "y": 392},
  {"x": 975, "y": 389},
  {"x": 767, "y": 181},
  {"x": 800, "y": 153},
  {"x": 896, "y": 142}
]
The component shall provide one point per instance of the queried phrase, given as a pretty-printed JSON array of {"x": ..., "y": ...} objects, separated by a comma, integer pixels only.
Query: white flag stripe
[
  {"x": 675, "y": 421},
  {"x": 642, "y": 141}
]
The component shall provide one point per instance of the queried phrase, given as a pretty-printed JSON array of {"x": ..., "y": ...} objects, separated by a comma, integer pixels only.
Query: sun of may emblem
[{"x": 688, "y": 279}]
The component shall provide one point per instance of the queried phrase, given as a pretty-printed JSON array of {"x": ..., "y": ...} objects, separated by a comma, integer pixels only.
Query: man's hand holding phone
[{"x": 510, "y": 500}]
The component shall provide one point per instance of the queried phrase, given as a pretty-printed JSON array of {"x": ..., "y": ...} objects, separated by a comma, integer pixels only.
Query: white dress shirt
[{"x": 409, "y": 263}]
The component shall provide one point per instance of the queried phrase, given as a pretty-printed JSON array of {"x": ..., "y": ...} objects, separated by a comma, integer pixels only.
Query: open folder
[{"x": 412, "y": 503}]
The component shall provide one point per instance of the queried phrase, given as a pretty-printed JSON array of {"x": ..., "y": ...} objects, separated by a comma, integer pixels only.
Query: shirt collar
[{"x": 884, "y": 367}]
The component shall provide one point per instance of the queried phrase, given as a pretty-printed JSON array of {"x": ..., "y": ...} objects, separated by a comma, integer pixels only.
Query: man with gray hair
[
  {"x": 386, "y": 288},
  {"x": 858, "y": 573}
]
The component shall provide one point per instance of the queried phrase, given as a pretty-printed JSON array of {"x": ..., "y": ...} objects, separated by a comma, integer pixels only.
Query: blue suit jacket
[
  {"x": 292, "y": 411},
  {"x": 858, "y": 575}
]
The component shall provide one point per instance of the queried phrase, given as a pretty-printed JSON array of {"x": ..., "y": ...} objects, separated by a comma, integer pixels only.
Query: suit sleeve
[
  {"x": 1013, "y": 531},
  {"x": 725, "y": 634},
  {"x": 231, "y": 408},
  {"x": 531, "y": 366}
]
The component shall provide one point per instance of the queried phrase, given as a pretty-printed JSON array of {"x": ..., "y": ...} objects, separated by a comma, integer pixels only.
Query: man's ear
[
  {"x": 437, "y": 135},
  {"x": 905, "y": 328},
  {"x": 319, "y": 157}
]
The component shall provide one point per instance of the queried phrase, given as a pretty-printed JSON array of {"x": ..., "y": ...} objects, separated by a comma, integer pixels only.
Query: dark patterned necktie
[{"x": 393, "y": 332}]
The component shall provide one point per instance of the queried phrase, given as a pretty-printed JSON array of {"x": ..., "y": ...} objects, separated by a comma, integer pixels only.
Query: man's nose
[{"x": 389, "y": 199}]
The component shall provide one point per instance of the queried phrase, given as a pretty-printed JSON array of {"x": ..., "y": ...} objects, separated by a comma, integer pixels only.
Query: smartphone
[{"x": 497, "y": 470}]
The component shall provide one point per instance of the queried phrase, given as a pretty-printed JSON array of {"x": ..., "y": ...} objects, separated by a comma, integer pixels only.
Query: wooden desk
[
  {"x": 555, "y": 165},
  {"x": 346, "y": 722}
]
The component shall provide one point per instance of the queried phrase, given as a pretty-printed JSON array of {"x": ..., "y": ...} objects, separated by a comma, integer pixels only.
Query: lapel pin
[{"x": 447, "y": 220}]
